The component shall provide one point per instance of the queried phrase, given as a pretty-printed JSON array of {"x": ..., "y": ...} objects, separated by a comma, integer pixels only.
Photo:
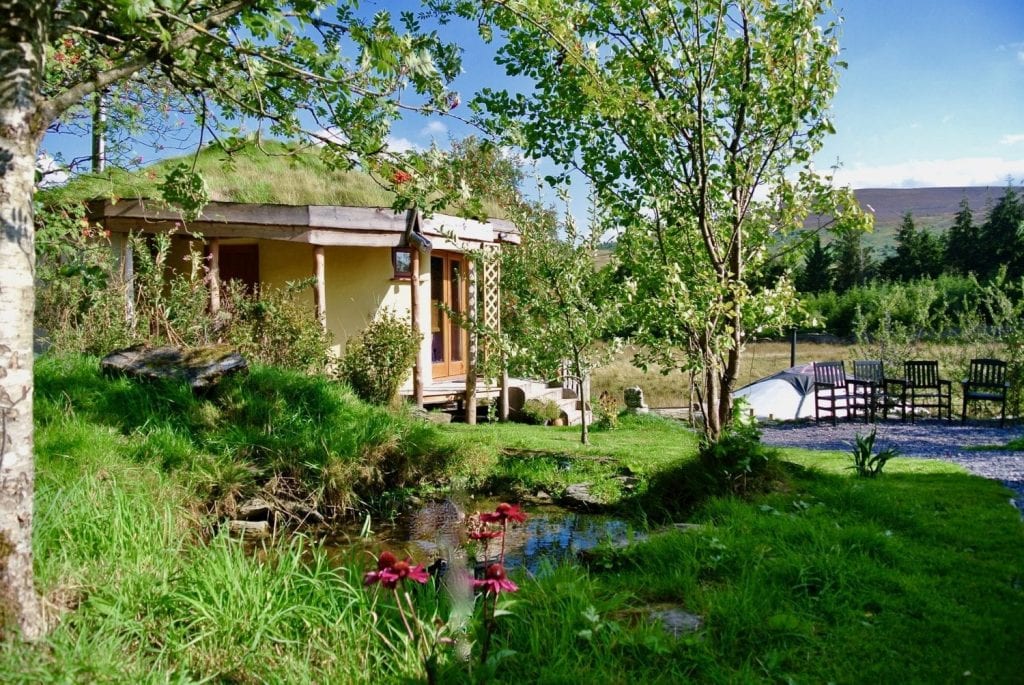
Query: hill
[{"x": 933, "y": 208}]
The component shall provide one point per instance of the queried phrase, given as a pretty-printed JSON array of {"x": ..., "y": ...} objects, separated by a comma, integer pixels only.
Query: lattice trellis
[{"x": 490, "y": 296}]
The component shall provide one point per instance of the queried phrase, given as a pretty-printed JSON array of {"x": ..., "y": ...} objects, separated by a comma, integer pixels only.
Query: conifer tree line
[{"x": 966, "y": 248}]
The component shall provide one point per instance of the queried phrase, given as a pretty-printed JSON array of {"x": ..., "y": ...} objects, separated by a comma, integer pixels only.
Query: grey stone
[
  {"x": 578, "y": 496},
  {"x": 255, "y": 509},
  {"x": 634, "y": 400},
  {"x": 200, "y": 367},
  {"x": 249, "y": 530},
  {"x": 676, "y": 622}
]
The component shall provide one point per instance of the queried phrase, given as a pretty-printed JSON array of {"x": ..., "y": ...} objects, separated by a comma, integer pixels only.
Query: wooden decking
[{"x": 453, "y": 390}]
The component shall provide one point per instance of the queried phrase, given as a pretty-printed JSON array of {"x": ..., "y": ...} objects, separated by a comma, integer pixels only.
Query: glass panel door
[{"x": 447, "y": 293}]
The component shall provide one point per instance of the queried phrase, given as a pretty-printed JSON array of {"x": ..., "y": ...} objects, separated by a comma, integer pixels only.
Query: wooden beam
[
  {"x": 320, "y": 293},
  {"x": 213, "y": 249},
  {"x": 414, "y": 307},
  {"x": 471, "y": 352},
  {"x": 128, "y": 278}
]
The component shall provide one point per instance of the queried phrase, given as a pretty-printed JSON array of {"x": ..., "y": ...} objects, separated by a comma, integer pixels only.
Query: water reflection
[{"x": 436, "y": 531}]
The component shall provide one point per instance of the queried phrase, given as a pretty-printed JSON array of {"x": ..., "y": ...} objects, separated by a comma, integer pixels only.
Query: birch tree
[
  {"x": 287, "y": 67},
  {"x": 695, "y": 121}
]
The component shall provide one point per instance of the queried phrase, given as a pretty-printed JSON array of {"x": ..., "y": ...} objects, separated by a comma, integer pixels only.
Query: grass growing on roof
[{"x": 271, "y": 175}]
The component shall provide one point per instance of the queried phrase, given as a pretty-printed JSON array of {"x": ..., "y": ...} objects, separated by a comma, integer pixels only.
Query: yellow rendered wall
[{"x": 358, "y": 280}]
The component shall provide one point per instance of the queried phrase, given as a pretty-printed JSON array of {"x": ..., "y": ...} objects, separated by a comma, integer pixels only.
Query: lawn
[{"x": 916, "y": 576}]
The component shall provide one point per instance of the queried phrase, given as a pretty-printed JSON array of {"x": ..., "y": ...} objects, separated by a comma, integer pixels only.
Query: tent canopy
[{"x": 787, "y": 395}]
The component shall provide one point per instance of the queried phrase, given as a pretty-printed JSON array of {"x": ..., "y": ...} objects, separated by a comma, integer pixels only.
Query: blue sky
[{"x": 933, "y": 95}]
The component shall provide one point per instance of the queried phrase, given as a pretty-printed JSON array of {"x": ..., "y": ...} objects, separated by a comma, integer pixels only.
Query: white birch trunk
[{"x": 21, "y": 38}]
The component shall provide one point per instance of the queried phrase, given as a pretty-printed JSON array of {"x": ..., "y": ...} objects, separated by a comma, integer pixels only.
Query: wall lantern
[{"x": 401, "y": 261}]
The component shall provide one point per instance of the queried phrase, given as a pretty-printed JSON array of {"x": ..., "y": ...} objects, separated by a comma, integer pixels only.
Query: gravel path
[{"x": 930, "y": 439}]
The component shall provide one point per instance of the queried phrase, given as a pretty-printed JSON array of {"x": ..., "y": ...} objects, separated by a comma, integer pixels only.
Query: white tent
[{"x": 786, "y": 395}]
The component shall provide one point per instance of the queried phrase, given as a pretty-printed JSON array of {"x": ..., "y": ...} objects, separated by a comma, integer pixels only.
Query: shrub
[
  {"x": 867, "y": 464},
  {"x": 737, "y": 461},
  {"x": 278, "y": 327},
  {"x": 377, "y": 360},
  {"x": 541, "y": 411},
  {"x": 607, "y": 410}
]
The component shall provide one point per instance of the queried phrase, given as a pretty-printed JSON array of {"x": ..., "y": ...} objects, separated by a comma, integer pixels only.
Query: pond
[{"x": 435, "y": 531}]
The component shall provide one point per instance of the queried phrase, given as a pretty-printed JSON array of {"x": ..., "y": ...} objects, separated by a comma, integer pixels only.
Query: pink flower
[
  {"x": 390, "y": 572},
  {"x": 504, "y": 512},
  {"x": 495, "y": 581}
]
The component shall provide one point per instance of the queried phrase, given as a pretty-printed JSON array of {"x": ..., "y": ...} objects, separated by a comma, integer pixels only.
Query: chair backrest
[
  {"x": 829, "y": 373},
  {"x": 921, "y": 374},
  {"x": 869, "y": 370},
  {"x": 987, "y": 372}
]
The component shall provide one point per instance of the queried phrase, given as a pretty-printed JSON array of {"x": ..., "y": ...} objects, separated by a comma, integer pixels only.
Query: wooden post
[
  {"x": 320, "y": 293},
  {"x": 214, "y": 251},
  {"x": 128, "y": 276},
  {"x": 471, "y": 351},
  {"x": 417, "y": 368}
]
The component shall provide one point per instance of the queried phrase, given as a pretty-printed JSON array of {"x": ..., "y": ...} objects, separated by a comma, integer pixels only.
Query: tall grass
[
  {"x": 914, "y": 576},
  {"x": 268, "y": 423}
]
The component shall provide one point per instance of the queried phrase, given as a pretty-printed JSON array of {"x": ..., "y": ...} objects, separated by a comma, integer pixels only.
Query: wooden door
[{"x": 448, "y": 340}]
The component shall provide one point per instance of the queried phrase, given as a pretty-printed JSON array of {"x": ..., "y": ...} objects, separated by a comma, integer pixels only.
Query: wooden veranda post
[
  {"x": 214, "y": 251},
  {"x": 320, "y": 294},
  {"x": 472, "y": 352},
  {"x": 128, "y": 277},
  {"x": 414, "y": 307}
]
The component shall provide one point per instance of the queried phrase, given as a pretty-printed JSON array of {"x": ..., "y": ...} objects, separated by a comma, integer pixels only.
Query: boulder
[
  {"x": 249, "y": 530},
  {"x": 634, "y": 400},
  {"x": 200, "y": 367},
  {"x": 578, "y": 496}
]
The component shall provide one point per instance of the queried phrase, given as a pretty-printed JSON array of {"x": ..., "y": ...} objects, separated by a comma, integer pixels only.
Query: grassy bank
[{"x": 912, "y": 577}]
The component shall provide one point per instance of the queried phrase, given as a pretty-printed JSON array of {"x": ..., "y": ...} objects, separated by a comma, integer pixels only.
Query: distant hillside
[{"x": 933, "y": 208}]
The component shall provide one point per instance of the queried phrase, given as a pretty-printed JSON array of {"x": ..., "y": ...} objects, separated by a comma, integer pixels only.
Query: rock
[
  {"x": 676, "y": 622},
  {"x": 255, "y": 509},
  {"x": 634, "y": 399},
  {"x": 302, "y": 511},
  {"x": 578, "y": 496},
  {"x": 200, "y": 367},
  {"x": 249, "y": 530}
]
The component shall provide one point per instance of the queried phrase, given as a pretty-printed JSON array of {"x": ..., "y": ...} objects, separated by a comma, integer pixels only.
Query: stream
[{"x": 435, "y": 530}]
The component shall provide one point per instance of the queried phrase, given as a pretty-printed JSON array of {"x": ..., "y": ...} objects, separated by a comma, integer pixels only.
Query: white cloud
[
  {"x": 966, "y": 171},
  {"x": 400, "y": 145},
  {"x": 1012, "y": 139},
  {"x": 434, "y": 128},
  {"x": 1020, "y": 56}
]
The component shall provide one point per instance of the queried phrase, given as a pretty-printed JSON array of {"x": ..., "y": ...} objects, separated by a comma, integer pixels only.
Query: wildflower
[
  {"x": 495, "y": 581},
  {"x": 390, "y": 572},
  {"x": 504, "y": 512},
  {"x": 400, "y": 177}
]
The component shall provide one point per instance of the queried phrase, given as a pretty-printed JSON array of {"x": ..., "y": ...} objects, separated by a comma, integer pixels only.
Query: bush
[
  {"x": 377, "y": 360},
  {"x": 277, "y": 327},
  {"x": 541, "y": 412},
  {"x": 607, "y": 412},
  {"x": 737, "y": 461}
]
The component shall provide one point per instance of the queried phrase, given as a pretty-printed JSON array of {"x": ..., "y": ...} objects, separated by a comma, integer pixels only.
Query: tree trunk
[{"x": 22, "y": 33}]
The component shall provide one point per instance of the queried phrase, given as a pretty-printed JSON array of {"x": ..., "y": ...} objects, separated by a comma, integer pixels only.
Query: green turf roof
[{"x": 249, "y": 175}]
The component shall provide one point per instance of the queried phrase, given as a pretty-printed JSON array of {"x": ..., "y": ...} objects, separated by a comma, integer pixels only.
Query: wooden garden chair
[
  {"x": 986, "y": 380},
  {"x": 875, "y": 390},
  {"x": 926, "y": 390},
  {"x": 833, "y": 391}
]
